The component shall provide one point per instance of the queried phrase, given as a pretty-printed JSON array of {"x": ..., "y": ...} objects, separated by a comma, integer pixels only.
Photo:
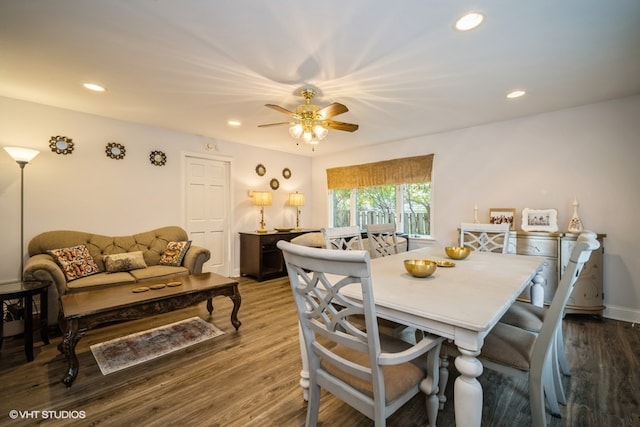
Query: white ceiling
[{"x": 402, "y": 70}]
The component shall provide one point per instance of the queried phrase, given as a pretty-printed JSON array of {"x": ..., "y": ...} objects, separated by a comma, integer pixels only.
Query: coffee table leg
[
  {"x": 210, "y": 306},
  {"x": 236, "y": 306},
  {"x": 71, "y": 338}
]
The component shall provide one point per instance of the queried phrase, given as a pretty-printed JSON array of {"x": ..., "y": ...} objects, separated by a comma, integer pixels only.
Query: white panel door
[{"x": 207, "y": 209}]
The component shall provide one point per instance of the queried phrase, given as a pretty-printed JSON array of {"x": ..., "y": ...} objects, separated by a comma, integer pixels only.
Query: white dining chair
[
  {"x": 343, "y": 238},
  {"x": 495, "y": 238},
  {"x": 382, "y": 239},
  {"x": 485, "y": 237},
  {"x": 373, "y": 373},
  {"x": 383, "y": 242},
  {"x": 521, "y": 353}
]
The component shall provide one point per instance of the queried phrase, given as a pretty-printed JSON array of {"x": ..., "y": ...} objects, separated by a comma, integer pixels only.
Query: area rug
[{"x": 131, "y": 350}]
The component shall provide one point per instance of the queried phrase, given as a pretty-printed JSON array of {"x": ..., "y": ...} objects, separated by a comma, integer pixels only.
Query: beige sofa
[{"x": 120, "y": 260}]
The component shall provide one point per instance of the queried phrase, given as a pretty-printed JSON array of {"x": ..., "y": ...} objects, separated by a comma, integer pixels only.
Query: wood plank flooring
[{"x": 250, "y": 377}]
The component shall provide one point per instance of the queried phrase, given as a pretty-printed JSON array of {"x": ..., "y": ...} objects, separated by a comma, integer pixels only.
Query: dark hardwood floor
[{"x": 250, "y": 377}]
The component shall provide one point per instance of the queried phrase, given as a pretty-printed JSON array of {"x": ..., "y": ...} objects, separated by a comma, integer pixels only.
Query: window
[
  {"x": 381, "y": 204},
  {"x": 404, "y": 197}
]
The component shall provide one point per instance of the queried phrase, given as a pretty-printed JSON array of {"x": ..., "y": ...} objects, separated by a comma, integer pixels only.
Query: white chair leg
[
  {"x": 429, "y": 385},
  {"x": 557, "y": 375},
  {"x": 549, "y": 387},
  {"x": 562, "y": 355}
]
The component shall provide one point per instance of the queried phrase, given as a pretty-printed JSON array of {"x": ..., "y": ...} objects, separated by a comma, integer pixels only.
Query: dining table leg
[{"x": 467, "y": 392}]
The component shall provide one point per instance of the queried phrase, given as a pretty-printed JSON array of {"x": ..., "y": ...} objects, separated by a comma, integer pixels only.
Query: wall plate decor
[
  {"x": 539, "y": 220},
  {"x": 61, "y": 144},
  {"x": 115, "y": 150},
  {"x": 157, "y": 158},
  {"x": 502, "y": 216},
  {"x": 274, "y": 184},
  {"x": 261, "y": 170},
  {"x": 286, "y": 173}
]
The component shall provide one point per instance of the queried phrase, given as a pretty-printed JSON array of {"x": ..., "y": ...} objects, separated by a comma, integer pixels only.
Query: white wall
[
  {"x": 543, "y": 161},
  {"x": 88, "y": 191},
  {"x": 540, "y": 161}
]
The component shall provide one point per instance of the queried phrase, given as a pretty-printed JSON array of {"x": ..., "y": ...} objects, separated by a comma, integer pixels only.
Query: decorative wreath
[
  {"x": 286, "y": 173},
  {"x": 158, "y": 158},
  {"x": 61, "y": 145},
  {"x": 115, "y": 150}
]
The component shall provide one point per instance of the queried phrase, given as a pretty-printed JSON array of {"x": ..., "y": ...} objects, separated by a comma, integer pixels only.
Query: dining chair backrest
[
  {"x": 485, "y": 237},
  {"x": 586, "y": 243},
  {"x": 344, "y": 359},
  {"x": 343, "y": 238},
  {"x": 382, "y": 239}
]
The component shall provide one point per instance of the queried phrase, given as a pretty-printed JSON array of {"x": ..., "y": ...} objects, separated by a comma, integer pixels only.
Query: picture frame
[
  {"x": 539, "y": 220},
  {"x": 502, "y": 216}
]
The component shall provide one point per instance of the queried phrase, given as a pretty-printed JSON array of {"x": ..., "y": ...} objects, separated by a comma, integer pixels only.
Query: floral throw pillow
[
  {"x": 124, "y": 262},
  {"x": 75, "y": 262},
  {"x": 174, "y": 253}
]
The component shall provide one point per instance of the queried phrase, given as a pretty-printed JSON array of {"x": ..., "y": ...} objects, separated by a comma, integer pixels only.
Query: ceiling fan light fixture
[
  {"x": 296, "y": 131},
  {"x": 320, "y": 131}
]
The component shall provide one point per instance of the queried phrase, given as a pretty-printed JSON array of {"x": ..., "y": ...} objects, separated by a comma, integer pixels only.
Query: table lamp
[
  {"x": 262, "y": 199},
  {"x": 296, "y": 199}
]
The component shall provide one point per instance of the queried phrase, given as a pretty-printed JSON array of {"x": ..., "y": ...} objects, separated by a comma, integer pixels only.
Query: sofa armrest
[
  {"x": 195, "y": 257},
  {"x": 43, "y": 267}
]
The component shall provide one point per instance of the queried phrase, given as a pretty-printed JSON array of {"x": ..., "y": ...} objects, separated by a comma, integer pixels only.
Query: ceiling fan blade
[
  {"x": 332, "y": 110},
  {"x": 349, "y": 127},
  {"x": 280, "y": 109},
  {"x": 275, "y": 124}
]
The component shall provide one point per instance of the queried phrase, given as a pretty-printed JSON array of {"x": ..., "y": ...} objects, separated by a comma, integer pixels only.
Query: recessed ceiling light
[
  {"x": 235, "y": 123},
  {"x": 94, "y": 87},
  {"x": 516, "y": 94},
  {"x": 469, "y": 21}
]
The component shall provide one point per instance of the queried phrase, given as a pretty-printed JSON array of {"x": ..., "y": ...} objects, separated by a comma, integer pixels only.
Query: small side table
[{"x": 25, "y": 291}]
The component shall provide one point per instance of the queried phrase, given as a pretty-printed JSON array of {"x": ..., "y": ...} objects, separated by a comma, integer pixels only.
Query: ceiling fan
[{"x": 310, "y": 122}]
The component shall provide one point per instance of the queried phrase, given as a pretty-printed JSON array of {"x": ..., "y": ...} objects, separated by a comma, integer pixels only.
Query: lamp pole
[{"x": 22, "y": 164}]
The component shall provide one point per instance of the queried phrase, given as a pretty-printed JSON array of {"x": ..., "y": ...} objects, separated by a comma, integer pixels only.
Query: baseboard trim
[{"x": 624, "y": 314}]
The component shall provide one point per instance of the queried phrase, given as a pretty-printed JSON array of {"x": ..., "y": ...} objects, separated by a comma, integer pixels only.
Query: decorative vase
[{"x": 575, "y": 224}]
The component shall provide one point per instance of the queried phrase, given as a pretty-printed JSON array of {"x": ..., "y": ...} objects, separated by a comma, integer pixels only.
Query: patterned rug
[{"x": 131, "y": 350}]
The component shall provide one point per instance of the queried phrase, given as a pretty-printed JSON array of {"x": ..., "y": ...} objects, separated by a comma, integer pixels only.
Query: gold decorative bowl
[
  {"x": 457, "y": 252},
  {"x": 420, "y": 267}
]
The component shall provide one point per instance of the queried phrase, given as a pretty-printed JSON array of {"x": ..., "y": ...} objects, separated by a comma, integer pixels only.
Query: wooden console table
[
  {"x": 84, "y": 310},
  {"x": 259, "y": 256}
]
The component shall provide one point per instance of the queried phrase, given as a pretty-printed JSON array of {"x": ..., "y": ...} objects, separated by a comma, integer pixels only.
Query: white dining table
[{"x": 462, "y": 303}]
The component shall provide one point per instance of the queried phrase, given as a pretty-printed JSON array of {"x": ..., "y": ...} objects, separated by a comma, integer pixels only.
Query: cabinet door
[{"x": 587, "y": 295}]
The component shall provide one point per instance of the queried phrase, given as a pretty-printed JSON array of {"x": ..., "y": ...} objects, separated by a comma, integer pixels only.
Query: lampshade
[
  {"x": 20, "y": 154},
  {"x": 296, "y": 199},
  {"x": 262, "y": 198}
]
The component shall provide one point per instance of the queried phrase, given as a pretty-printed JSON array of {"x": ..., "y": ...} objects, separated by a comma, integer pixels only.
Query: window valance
[{"x": 387, "y": 172}]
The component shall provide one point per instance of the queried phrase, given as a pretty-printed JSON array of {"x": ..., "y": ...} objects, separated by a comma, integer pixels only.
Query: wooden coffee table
[{"x": 84, "y": 310}]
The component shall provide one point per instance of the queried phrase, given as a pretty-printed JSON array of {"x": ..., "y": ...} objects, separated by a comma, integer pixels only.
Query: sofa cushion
[
  {"x": 314, "y": 240},
  {"x": 100, "y": 280},
  {"x": 124, "y": 262},
  {"x": 158, "y": 272},
  {"x": 75, "y": 261},
  {"x": 174, "y": 253}
]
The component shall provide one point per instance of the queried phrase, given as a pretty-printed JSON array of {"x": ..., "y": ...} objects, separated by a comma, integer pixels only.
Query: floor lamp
[{"x": 22, "y": 156}]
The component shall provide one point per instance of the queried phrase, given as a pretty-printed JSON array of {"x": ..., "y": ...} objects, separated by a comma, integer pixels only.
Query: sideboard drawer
[{"x": 537, "y": 246}]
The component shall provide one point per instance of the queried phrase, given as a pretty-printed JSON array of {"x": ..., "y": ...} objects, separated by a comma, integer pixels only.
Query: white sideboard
[{"x": 587, "y": 296}]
